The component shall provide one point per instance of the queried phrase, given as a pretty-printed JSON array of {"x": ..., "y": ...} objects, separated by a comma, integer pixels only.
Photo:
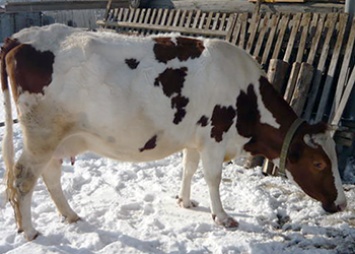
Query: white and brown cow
[{"x": 144, "y": 98}]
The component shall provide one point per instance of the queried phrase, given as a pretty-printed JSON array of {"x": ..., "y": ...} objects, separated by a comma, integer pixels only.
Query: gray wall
[{"x": 13, "y": 22}]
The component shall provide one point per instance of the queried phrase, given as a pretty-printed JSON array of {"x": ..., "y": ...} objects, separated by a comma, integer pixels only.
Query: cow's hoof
[
  {"x": 188, "y": 204},
  {"x": 229, "y": 222},
  {"x": 71, "y": 219},
  {"x": 30, "y": 236}
]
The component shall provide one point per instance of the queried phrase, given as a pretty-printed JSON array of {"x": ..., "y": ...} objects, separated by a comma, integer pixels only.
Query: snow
[{"x": 131, "y": 208}]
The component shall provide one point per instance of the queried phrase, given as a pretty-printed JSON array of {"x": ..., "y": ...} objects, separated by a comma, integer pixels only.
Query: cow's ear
[
  {"x": 309, "y": 140},
  {"x": 295, "y": 152}
]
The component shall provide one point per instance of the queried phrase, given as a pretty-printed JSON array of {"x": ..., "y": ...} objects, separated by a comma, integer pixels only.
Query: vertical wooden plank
[
  {"x": 136, "y": 15},
  {"x": 316, "y": 38},
  {"x": 131, "y": 15},
  {"x": 170, "y": 16},
  {"x": 230, "y": 33},
  {"x": 264, "y": 26},
  {"x": 146, "y": 20},
  {"x": 291, "y": 41},
  {"x": 230, "y": 26},
  {"x": 202, "y": 21},
  {"x": 163, "y": 19},
  {"x": 152, "y": 16},
  {"x": 303, "y": 83},
  {"x": 340, "y": 109},
  {"x": 158, "y": 18},
  {"x": 292, "y": 81},
  {"x": 141, "y": 19},
  {"x": 215, "y": 21},
  {"x": 322, "y": 64},
  {"x": 221, "y": 23},
  {"x": 196, "y": 19},
  {"x": 114, "y": 15},
  {"x": 188, "y": 22},
  {"x": 311, "y": 57},
  {"x": 253, "y": 31},
  {"x": 151, "y": 21},
  {"x": 333, "y": 64},
  {"x": 280, "y": 35},
  {"x": 125, "y": 14},
  {"x": 108, "y": 10},
  {"x": 274, "y": 24},
  {"x": 243, "y": 31},
  {"x": 345, "y": 66},
  {"x": 276, "y": 73},
  {"x": 305, "y": 23},
  {"x": 176, "y": 18},
  {"x": 209, "y": 20},
  {"x": 236, "y": 30},
  {"x": 182, "y": 18}
]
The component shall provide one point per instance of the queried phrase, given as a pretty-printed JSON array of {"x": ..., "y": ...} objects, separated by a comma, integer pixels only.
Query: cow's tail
[{"x": 8, "y": 144}]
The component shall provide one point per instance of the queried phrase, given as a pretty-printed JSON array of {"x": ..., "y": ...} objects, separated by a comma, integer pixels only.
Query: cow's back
[{"x": 128, "y": 96}]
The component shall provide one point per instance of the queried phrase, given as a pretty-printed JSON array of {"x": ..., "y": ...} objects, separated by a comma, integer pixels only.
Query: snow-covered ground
[{"x": 131, "y": 208}]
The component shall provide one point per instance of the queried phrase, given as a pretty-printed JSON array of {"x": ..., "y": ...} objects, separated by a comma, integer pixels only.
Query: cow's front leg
[
  {"x": 191, "y": 159},
  {"x": 212, "y": 160},
  {"x": 20, "y": 184},
  {"x": 51, "y": 177}
]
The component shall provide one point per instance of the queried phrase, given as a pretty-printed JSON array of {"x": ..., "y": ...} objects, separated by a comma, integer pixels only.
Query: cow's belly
[{"x": 111, "y": 146}]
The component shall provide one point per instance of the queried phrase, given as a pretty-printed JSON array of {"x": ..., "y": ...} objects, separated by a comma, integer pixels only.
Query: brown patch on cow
[
  {"x": 203, "y": 121},
  {"x": 279, "y": 108},
  {"x": 179, "y": 103},
  {"x": 184, "y": 48},
  {"x": 172, "y": 82},
  {"x": 264, "y": 139},
  {"x": 30, "y": 70},
  {"x": 221, "y": 120},
  {"x": 132, "y": 63},
  {"x": 247, "y": 112},
  {"x": 150, "y": 144}
]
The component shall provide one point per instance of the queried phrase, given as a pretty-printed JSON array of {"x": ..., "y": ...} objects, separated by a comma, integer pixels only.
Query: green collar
[{"x": 285, "y": 146}]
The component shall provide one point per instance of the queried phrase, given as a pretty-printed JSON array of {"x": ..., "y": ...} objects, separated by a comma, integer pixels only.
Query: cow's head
[{"x": 312, "y": 164}]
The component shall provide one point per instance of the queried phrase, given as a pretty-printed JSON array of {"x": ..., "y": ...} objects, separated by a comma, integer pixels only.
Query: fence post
[{"x": 350, "y": 7}]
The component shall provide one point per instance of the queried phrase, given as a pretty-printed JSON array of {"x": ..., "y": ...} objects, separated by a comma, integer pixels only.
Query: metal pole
[{"x": 350, "y": 7}]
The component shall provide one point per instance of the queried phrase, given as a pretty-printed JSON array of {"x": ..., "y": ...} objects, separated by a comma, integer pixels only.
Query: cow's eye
[{"x": 319, "y": 165}]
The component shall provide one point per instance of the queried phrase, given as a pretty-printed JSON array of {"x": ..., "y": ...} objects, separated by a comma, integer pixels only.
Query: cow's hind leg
[
  {"x": 212, "y": 160},
  {"x": 191, "y": 159},
  {"x": 20, "y": 189},
  {"x": 51, "y": 177}
]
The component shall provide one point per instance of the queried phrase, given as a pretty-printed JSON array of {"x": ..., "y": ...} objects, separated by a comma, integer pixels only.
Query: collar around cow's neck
[{"x": 286, "y": 144}]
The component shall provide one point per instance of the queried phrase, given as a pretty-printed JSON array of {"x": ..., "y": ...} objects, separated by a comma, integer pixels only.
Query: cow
[{"x": 133, "y": 98}]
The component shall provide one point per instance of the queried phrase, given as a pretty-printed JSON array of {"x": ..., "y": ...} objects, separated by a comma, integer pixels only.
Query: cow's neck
[{"x": 265, "y": 137}]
